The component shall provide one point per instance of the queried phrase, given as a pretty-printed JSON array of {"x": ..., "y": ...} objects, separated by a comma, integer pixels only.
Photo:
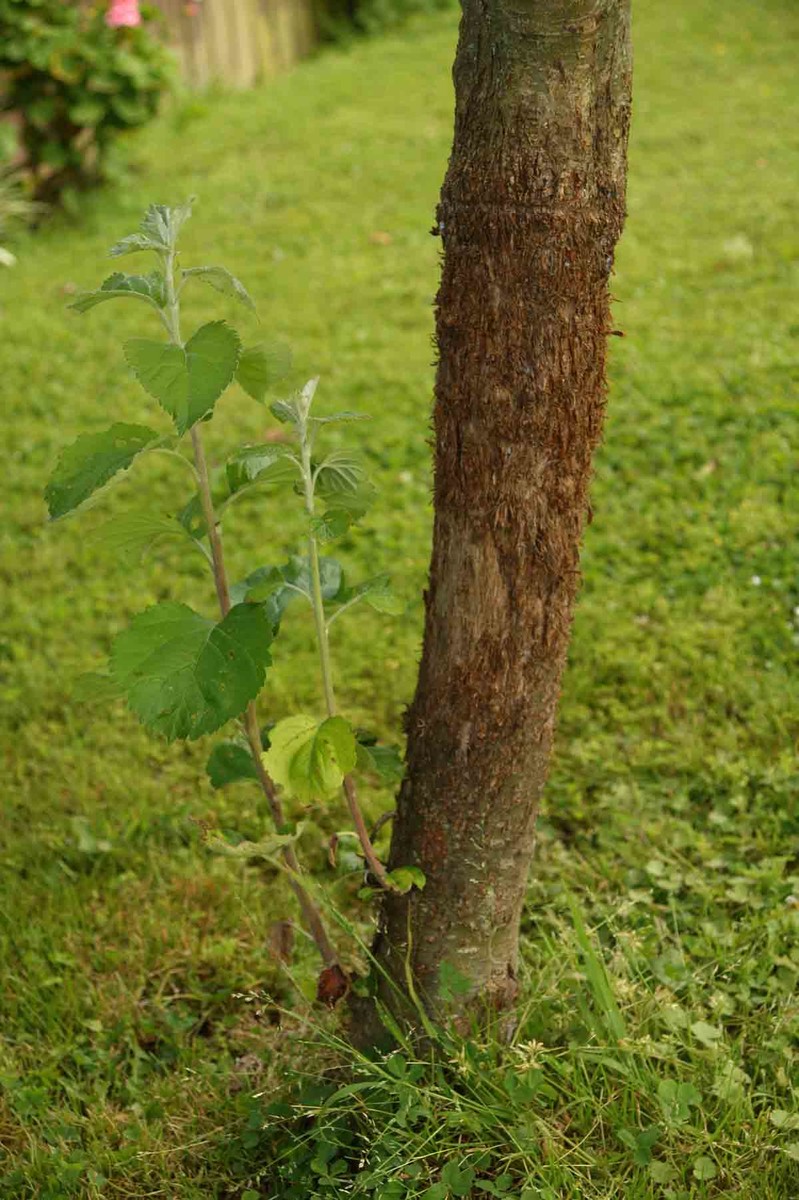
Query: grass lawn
[{"x": 137, "y": 1051}]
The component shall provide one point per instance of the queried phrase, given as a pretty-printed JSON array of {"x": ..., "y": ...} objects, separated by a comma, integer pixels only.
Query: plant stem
[
  {"x": 310, "y": 912},
  {"x": 212, "y": 528},
  {"x": 323, "y": 642}
]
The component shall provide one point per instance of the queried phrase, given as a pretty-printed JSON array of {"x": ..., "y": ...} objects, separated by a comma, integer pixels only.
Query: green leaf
[
  {"x": 385, "y": 761},
  {"x": 310, "y": 759},
  {"x": 662, "y": 1172},
  {"x": 376, "y": 592},
  {"x": 260, "y": 464},
  {"x": 149, "y": 288},
  {"x": 458, "y": 1180},
  {"x": 188, "y": 381},
  {"x": 91, "y": 461},
  {"x": 405, "y": 878},
  {"x": 269, "y": 847},
  {"x": 262, "y": 366},
  {"x": 132, "y": 244},
  {"x": 705, "y": 1168},
  {"x": 708, "y": 1035},
  {"x": 279, "y": 585},
  {"x": 229, "y": 762},
  {"x": 132, "y": 534},
  {"x": 222, "y": 280},
  {"x": 781, "y": 1119},
  {"x": 158, "y": 231},
  {"x": 677, "y": 1099},
  {"x": 185, "y": 676},
  {"x": 340, "y": 417},
  {"x": 339, "y": 473},
  {"x": 285, "y": 411},
  {"x": 331, "y": 525}
]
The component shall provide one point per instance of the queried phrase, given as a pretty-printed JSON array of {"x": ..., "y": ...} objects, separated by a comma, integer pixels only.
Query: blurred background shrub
[
  {"x": 337, "y": 17},
  {"x": 16, "y": 210},
  {"x": 70, "y": 86}
]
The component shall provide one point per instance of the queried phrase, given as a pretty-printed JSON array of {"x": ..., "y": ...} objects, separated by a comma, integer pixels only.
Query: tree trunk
[{"x": 531, "y": 209}]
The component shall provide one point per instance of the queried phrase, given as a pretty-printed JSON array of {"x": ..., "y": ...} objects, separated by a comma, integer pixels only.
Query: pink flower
[{"x": 123, "y": 12}]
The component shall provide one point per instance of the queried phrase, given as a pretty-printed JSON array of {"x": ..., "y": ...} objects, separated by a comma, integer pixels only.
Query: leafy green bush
[
  {"x": 73, "y": 86},
  {"x": 368, "y": 16}
]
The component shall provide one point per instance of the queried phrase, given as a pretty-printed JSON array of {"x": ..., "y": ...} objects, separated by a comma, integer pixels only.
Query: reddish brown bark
[{"x": 531, "y": 209}]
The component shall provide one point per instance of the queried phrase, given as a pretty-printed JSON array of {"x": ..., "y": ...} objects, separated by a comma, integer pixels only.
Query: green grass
[{"x": 137, "y": 1051}]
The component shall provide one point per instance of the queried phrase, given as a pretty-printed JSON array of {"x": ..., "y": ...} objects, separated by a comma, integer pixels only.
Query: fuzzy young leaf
[
  {"x": 341, "y": 473},
  {"x": 133, "y": 534},
  {"x": 228, "y": 763},
  {"x": 310, "y": 759},
  {"x": 133, "y": 243},
  {"x": 260, "y": 464},
  {"x": 149, "y": 288},
  {"x": 91, "y": 461},
  {"x": 262, "y": 366},
  {"x": 188, "y": 381},
  {"x": 341, "y": 417},
  {"x": 158, "y": 231},
  {"x": 285, "y": 411},
  {"x": 331, "y": 525},
  {"x": 223, "y": 281},
  {"x": 184, "y": 675},
  {"x": 268, "y": 848}
]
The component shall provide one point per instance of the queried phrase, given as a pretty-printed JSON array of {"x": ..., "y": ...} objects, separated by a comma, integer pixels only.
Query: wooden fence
[{"x": 237, "y": 42}]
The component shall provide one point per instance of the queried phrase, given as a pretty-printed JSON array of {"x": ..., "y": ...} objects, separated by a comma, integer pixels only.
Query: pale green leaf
[
  {"x": 405, "y": 878},
  {"x": 331, "y": 525},
  {"x": 91, "y": 461},
  {"x": 341, "y": 417},
  {"x": 132, "y": 534},
  {"x": 341, "y": 472},
  {"x": 223, "y": 281},
  {"x": 310, "y": 759},
  {"x": 188, "y": 381},
  {"x": 133, "y": 243},
  {"x": 705, "y": 1168},
  {"x": 265, "y": 464},
  {"x": 268, "y": 847},
  {"x": 377, "y": 593},
  {"x": 262, "y": 366},
  {"x": 781, "y": 1119},
  {"x": 149, "y": 288},
  {"x": 285, "y": 411},
  {"x": 184, "y": 675},
  {"x": 662, "y": 1172},
  {"x": 705, "y": 1033}
]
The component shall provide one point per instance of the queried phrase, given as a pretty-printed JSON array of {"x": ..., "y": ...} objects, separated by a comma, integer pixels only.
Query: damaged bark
[{"x": 531, "y": 209}]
